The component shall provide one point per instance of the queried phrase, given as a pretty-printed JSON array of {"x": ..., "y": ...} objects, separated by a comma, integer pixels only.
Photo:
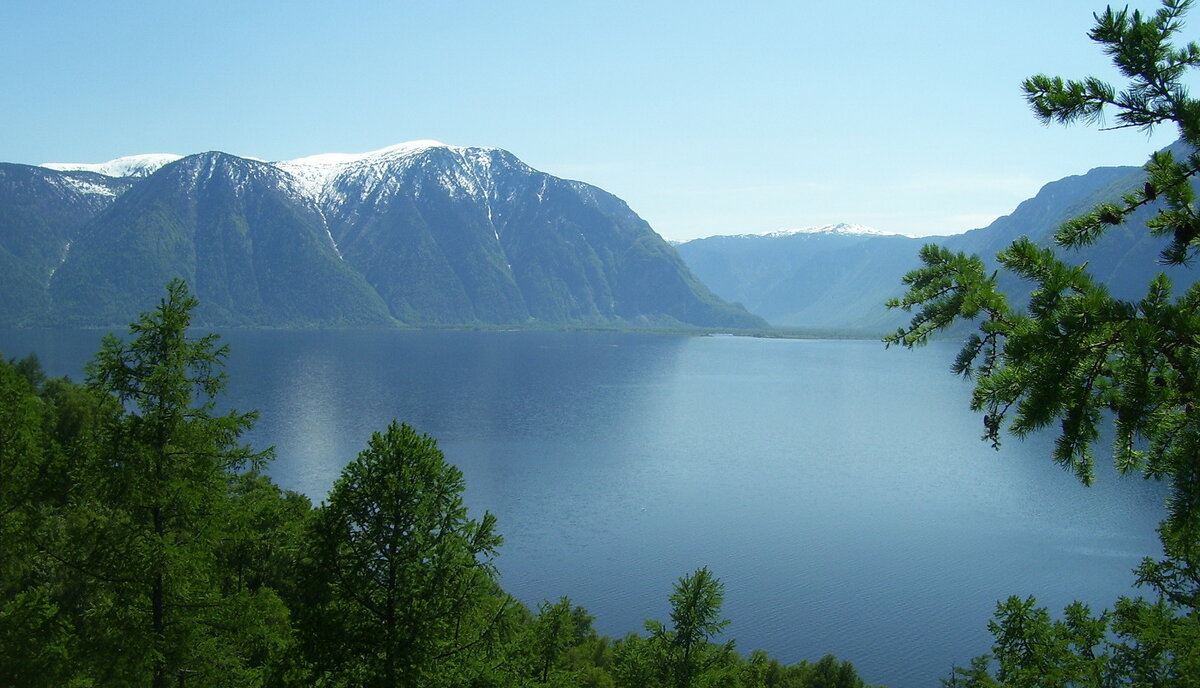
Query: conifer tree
[
  {"x": 402, "y": 579},
  {"x": 1076, "y": 357},
  {"x": 150, "y": 508},
  {"x": 685, "y": 648},
  {"x": 34, "y": 636},
  {"x": 557, "y": 628}
]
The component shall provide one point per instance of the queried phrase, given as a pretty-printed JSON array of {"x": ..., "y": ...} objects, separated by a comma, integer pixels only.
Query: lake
[{"x": 839, "y": 490}]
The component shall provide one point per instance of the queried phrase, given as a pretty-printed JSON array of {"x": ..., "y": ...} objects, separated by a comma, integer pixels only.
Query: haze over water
[{"x": 839, "y": 490}]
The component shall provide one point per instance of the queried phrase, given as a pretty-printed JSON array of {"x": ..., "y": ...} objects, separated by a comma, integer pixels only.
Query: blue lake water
[{"x": 839, "y": 490}]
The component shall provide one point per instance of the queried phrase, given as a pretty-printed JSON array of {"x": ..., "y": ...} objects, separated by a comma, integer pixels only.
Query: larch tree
[
  {"x": 149, "y": 510},
  {"x": 1076, "y": 357},
  {"x": 404, "y": 587},
  {"x": 557, "y": 628},
  {"x": 686, "y": 647},
  {"x": 35, "y": 638}
]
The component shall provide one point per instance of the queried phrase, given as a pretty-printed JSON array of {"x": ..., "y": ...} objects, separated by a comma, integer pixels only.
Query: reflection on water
[{"x": 839, "y": 490}]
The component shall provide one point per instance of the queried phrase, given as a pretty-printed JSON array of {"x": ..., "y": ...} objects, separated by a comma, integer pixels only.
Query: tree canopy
[{"x": 406, "y": 580}]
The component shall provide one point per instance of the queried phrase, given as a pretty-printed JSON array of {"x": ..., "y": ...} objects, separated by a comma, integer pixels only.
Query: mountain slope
[
  {"x": 840, "y": 281},
  {"x": 458, "y": 235},
  {"x": 816, "y": 280},
  {"x": 41, "y": 213},
  {"x": 1125, "y": 258},
  {"x": 253, "y": 253},
  {"x": 420, "y": 234}
]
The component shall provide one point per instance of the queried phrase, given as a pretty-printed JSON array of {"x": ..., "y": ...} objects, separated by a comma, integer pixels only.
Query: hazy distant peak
[
  {"x": 837, "y": 229},
  {"x": 128, "y": 166},
  {"x": 843, "y": 228}
]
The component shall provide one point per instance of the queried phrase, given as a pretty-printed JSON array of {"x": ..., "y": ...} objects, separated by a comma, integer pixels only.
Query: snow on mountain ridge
[
  {"x": 846, "y": 229},
  {"x": 843, "y": 228},
  {"x": 329, "y": 180},
  {"x": 86, "y": 186},
  {"x": 318, "y": 175},
  {"x": 340, "y": 159},
  {"x": 127, "y": 166}
]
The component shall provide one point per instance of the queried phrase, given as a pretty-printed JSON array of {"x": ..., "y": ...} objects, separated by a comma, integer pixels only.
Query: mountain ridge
[
  {"x": 142, "y": 165},
  {"x": 830, "y": 282},
  {"x": 419, "y": 233}
]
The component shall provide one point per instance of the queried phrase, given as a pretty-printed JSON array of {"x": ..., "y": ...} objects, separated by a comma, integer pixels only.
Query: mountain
[
  {"x": 838, "y": 278},
  {"x": 128, "y": 166},
  {"x": 418, "y": 234},
  {"x": 1125, "y": 258},
  {"x": 828, "y": 277},
  {"x": 488, "y": 239},
  {"x": 41, "y": 212},
  {"x": 839, "y": 229},
  {"x": 253, "y": 252}
]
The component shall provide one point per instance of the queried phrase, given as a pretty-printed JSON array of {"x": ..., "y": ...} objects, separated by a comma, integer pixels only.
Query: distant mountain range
[
  {"x": 426, "y": 234},
  {"x": 837, "y": 277},
  {"x": 416, "y": 234}
]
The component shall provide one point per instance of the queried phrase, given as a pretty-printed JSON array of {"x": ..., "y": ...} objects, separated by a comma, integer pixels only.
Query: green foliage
[
  {"x": 407, "y": 588},
  {"x": 1078, "y": 358},
  {"x": 558, "y": 628},
  {"x": 1031, "y": 649},
  {"x": 685, "y": 651},
  {"x": 825, "y": 673},
  {"x": 36, "y": 642},
  {"x": 21, "y": 454},
  {"x": 126, "y": 504},
  {"x": 34, "y": 637},
  {"x": 154, "y": 507}
]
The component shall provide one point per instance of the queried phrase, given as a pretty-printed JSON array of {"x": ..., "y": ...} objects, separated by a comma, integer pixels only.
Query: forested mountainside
[{"x": 415, "y": 234}]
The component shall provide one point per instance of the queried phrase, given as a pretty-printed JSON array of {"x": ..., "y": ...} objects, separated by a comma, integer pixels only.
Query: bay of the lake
[{"x": 839, "y": 490}]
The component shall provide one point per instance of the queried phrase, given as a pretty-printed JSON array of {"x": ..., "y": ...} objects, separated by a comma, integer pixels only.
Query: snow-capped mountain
[
  {"x": 840, "y": 228},
  {"x": 428, "y": 233},
  {"x": 316, "y": 175},
  {"x": 835, "y": 229},
  {"x": 417, "y": 233},
  {"x": 254, "y": 253},
  {"x": 128, "y": 166}
]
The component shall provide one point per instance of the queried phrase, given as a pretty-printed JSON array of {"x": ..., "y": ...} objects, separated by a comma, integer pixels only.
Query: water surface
[{"x": 839, "y": 490}]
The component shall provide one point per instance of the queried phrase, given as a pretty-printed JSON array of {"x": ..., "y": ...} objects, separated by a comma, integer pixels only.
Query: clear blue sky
[{"x": 706, "y": 117}]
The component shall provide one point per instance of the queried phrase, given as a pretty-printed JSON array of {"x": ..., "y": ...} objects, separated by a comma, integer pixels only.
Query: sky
[{"x": 705, "y": 117}]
